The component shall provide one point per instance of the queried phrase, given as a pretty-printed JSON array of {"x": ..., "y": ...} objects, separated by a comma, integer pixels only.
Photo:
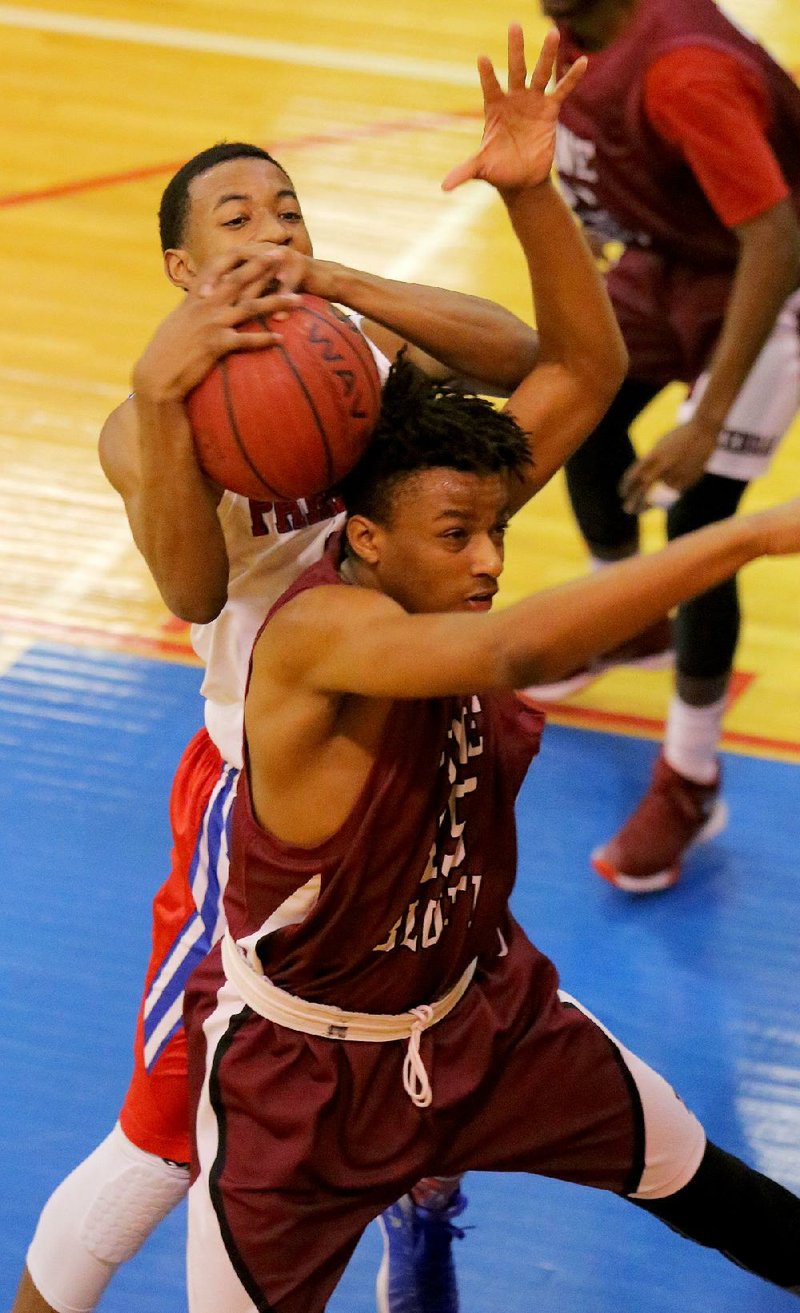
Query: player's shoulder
[
  {"x": 700, "y": 63},
  {"x": 332, "y": 605},
  {"x": 312, "y": 625}
]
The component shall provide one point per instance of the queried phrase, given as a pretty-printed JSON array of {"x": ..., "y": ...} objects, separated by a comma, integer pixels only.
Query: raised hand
[{"x": 519, "y": 132}]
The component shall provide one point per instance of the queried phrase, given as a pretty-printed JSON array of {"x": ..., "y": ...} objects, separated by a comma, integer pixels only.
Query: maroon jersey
[
  {"x": 622, "y": 178},
  {"x": 415, "y": 884}
]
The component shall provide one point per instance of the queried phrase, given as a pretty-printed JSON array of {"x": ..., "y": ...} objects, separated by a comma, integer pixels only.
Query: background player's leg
[
  {"x": 682, "y": 805},
  {"x": 594, "y": 473},
  {"x": 706, "y": 635}
]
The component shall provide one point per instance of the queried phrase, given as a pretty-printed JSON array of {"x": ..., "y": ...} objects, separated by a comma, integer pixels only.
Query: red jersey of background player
[
  {"x": 389, "y": 911},
  {"x": 632, "y": 156}
]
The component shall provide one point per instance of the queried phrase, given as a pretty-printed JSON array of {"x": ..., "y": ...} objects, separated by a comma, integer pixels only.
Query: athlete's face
[
  {"x": 242, "y": 200},
  {"x": 442, "y": 549}
]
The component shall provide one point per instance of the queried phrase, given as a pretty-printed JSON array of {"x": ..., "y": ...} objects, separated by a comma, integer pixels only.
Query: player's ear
[
  {"x": 179, "y": 267},
  {"x": 363, "y": 539}
]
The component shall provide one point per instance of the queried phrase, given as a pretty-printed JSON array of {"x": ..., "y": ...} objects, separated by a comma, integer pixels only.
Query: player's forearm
[
  {"x": 574, "y": 318},
  {"x": 582, "y": 358},
  {"x": 173, "y": 515},
  {"x": 551, "y": 633},
  {"x": 471, "y": 336},
  {"x": 767, "y": 272}
]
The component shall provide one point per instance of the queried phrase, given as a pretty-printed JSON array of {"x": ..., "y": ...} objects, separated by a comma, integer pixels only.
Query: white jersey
[{"x": 269, "y": 544}]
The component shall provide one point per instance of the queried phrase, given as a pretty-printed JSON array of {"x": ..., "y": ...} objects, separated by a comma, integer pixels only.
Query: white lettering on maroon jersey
[
  {"x": 279, "y": 517},
  {"x": 424, "y": 921},
  {"x": 577, "y": 176}
]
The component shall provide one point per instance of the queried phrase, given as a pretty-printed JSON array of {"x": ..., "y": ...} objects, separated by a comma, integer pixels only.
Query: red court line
[
  {"x": 651, "y": 727},
  {"x": 391, "y": 128},
  {"x": 591, "y": 718},
  {"x": 124, "y": 641}
]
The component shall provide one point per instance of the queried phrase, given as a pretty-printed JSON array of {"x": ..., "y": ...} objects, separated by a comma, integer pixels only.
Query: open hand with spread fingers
[{"x": 519, "y": 132}]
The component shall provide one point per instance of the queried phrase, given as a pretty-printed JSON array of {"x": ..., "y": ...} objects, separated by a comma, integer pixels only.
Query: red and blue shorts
[{"x": 187, "y": 920}]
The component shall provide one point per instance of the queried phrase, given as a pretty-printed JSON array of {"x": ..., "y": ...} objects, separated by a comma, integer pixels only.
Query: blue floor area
[{"x": 703, "y": 982}]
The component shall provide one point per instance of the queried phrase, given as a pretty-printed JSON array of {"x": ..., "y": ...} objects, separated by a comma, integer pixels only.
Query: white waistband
[{"x": 328, "y": 1022}]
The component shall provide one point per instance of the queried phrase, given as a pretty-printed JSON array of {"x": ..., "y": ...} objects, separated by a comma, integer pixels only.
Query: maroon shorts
[
  {"x": 670, "y": 315},
  {"x": 301, "y": 1141}
]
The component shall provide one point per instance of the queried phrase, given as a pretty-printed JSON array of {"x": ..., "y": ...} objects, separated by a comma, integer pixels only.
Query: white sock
[{"x": 692, "y": 739}]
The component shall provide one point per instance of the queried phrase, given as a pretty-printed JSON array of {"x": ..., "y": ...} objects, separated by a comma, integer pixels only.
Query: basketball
[{"x": 290, "y": 420}]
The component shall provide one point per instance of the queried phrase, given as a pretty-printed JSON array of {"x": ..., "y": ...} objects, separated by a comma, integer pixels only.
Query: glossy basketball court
[{"x": 367, "y": 107}]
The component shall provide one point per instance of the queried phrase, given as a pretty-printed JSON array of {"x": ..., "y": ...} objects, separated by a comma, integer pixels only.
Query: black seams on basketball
[{"x": 289, "y": 420}]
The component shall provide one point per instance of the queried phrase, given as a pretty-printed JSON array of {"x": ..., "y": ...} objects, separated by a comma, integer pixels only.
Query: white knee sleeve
[{"x": 97, "y": 1218}]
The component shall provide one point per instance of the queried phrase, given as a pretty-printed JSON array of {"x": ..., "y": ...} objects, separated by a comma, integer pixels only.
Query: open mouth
[{"x": 481, "y": 601}]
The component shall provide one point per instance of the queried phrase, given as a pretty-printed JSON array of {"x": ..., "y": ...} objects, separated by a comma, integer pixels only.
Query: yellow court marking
[{"x": 368, "y": 108}]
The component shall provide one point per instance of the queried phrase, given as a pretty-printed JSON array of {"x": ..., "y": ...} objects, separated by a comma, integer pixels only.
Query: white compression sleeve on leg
[{"x": 97, "y": 1218}]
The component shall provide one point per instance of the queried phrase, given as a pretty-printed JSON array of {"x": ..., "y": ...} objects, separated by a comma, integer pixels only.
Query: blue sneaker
[{"x": 417, "y": 1274}]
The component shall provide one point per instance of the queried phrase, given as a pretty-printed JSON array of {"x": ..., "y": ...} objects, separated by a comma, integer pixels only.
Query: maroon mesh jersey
[
  {"x": 415, "y": 883},
  {"x": 620, "y": 176}
]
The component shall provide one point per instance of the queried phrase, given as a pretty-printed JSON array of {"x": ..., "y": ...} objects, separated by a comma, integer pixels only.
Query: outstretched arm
[
  {"x": 449, "y": 335},
  {"x": 334, "y": 641},
  {"x": 582, "y": 359}
]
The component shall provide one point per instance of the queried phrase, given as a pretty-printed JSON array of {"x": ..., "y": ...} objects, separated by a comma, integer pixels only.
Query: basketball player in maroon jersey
[
  {"x": 373, "y": 1008},
  {"x": 681, "y": 144},
  {"x": 230, "y": 220},
  {"x": 219, "y": 561}
]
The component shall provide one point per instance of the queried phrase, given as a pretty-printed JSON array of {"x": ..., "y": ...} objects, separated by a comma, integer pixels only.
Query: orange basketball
[{"x": 291, "y": 420}]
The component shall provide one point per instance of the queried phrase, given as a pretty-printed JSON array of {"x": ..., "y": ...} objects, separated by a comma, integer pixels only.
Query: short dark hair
[
  {"x": 174, "y": 209},
  {"x": 424, "y": 424}
]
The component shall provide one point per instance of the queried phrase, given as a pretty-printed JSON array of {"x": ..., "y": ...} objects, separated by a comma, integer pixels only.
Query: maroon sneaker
[
  {"x": 675, "y": 813},
  {"x": 649, "y": 650}
]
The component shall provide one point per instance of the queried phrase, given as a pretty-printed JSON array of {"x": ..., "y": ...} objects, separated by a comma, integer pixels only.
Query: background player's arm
[
  {"x": 146, "y": 447},
  {"x": 766, "y": 273},
  {"x": 715, "y": 111},
  {"x": 336, "y": 641}
]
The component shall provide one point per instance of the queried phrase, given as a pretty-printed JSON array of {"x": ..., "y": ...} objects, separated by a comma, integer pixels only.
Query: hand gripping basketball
[{"x": 290, "y": 420}]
